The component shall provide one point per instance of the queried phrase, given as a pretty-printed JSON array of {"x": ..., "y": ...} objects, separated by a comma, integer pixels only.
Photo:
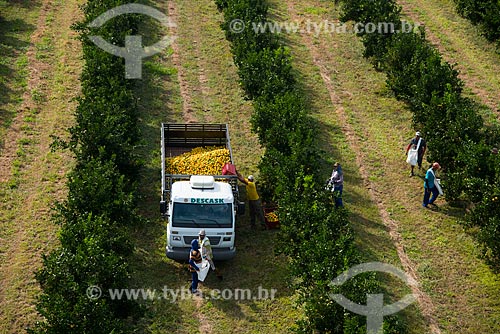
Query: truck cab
[{"x": 201, "y": 203}]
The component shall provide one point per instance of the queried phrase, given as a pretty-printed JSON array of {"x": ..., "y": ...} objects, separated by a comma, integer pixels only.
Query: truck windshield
[{"x": 202, "y": 215}]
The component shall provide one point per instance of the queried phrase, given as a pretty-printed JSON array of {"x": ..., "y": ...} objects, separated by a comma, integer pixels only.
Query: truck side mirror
[
  {"x": 241, "y": 208},
  {"x": 163, "y": 208}
]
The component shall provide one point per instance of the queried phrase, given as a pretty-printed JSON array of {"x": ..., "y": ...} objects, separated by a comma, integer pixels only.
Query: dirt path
[
  {"x": 205, "y": 89},
  {"x": 459, "y": 43},
  {"x": 194, "y": 93},
  {"x": 27, "y": 232},
  {"x": 176, "y": 58},
  {"x": 189, "y": 116},
  {"x": 423, "y": 299}
]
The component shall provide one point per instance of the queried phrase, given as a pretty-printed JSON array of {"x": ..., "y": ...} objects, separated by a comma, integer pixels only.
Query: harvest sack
[
  {"x": 412, "y": 156},
  {"x": 437, "y": 184},
  {"x": 204, "y": 268}
]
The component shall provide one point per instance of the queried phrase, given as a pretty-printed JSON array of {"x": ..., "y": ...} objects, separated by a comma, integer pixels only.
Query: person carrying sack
[
  {"x": 431, "y": 185},
  {"x": 336, "y": 184},
  {"x": 415, "y": 152},
  {"x": 194, "y": 265}
]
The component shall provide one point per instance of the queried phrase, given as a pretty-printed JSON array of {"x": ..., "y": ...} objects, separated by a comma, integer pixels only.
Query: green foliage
[
  {"x": 250, "y": 13},
  {"x": 402, "y": 62},
  {"x": 79, "y": 263},
  {"x": 263, "y": 65},
  {"x": 266, "y": 73},
  {"x": 486, "y": 216},
  {"x": 435, "y": 79},
  {"x": 313, "y": 229},
  {"x": 450, "y": 122},
  {"x": 379, "y": 13},
  {"x": 105, "y": 130},
  {"x": 417, "y": 74},
  {"x": 485, "y": 13},
  {"x": 106, "y": 116},
  {"x": 97, "y": 187},
  {"x": 475, "y": 170},
  {"x": 221, "y": 4},
  {"x": 482, "y": 182},
  {"x": 101, "y": 197},
  {"x": 319, "y": 241},
  {"x": 286, "y": 111}
]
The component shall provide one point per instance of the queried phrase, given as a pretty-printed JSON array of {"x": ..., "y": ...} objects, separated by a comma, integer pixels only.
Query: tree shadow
[
  {"x": 5, "y": 91},
  {"x": 151, "y": 270},
  {"x": 28, "y": 4},
  {"x": 13, "y": 27},
  {"x": 452, "y": 211},
  {"x": 11, "y": 48}
]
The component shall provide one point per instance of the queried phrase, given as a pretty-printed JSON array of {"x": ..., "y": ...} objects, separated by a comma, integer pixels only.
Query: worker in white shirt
[{"x": 206, "y": 251}]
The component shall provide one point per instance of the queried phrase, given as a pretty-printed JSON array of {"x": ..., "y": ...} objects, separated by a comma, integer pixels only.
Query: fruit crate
[{"x": 271, "y": 218}]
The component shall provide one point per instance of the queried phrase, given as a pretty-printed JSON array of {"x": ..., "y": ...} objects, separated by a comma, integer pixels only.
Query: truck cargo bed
[{"x": 181, "y": 138}]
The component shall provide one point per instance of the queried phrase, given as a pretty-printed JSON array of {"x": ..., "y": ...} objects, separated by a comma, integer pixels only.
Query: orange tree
[
  {"x": 484, "y": 13},
  {"x": 94, "y": 242}
]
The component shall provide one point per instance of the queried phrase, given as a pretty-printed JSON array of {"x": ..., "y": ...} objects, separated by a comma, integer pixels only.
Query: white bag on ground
[{"x": 204, "y": 268}]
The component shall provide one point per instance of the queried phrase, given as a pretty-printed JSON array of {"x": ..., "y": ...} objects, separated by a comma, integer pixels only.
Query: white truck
[{"x": 195, "y": 202}]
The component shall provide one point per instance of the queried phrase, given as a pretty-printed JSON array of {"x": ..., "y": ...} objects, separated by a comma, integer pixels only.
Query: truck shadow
[
  {"x": 255, "y": 279},
  {"x": 152, "y": 270}
]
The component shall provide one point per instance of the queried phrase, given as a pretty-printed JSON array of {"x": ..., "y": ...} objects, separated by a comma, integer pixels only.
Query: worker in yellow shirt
[{"x": 253, "y": 200}]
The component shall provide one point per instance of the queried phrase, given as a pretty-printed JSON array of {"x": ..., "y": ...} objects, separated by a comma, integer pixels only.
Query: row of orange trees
[
  {"x": 316, "y": 236},
  {"x": 457, "y": 136},
  {"x": 100, "y": 205},
  {"x": 483, "y": 13}
]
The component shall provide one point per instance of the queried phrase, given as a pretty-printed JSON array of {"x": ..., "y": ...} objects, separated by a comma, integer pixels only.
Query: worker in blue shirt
[
  {"x": 430, "y": 185},
  {"x": 194, "y": 264}
]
